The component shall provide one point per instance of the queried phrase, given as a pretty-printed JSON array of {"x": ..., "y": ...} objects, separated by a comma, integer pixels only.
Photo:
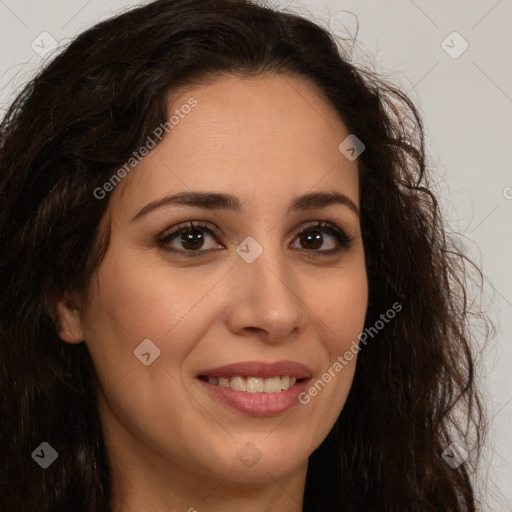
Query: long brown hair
[{"x": 83, "y": 116}]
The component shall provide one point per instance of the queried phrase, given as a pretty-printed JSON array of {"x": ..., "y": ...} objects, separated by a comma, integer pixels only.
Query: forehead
[{"x": 273, "y": 135}]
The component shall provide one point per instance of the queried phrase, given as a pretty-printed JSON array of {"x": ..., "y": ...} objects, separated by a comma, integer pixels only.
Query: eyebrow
[{"x": 218, "y": 201}]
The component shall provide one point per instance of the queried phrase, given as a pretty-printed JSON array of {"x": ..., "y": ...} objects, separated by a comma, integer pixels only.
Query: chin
[{"x": 260, "y": 461}]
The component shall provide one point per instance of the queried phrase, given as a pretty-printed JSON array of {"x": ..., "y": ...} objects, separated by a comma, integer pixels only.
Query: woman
[{"x": 209, "y": 216}]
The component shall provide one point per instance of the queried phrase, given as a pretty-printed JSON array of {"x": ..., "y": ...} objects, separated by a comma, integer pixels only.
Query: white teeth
[
  {"x": 255, "y": 384},
  {"x": 272, "y": 385},
  {"x": 223, "y": 382},
  {"x": 238, "y": 384}
]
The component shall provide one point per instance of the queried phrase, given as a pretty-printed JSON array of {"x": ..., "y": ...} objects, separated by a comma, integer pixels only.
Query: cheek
[
  {"x": 343, "y": 309},
  {"x": 140, "y": 297},
  {"x": 137, "y": 301},
  {"x": 340, "y": 306}
]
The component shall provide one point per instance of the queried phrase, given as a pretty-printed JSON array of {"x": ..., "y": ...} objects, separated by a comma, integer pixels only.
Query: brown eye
[
  {"x": 189, "y": 239},
  {"x": 311, "y": 240},
  {"x": 314, "y": 237},
  {"x": 192, "y": 240}
]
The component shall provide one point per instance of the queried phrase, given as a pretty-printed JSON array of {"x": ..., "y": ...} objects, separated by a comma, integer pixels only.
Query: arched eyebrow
[{"x": 220, "y": 201}]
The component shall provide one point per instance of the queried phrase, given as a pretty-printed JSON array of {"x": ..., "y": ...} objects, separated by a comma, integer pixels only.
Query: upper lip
[{"x": 259, "y": 369}]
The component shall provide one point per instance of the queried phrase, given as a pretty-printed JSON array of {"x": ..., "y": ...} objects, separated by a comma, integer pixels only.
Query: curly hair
[{"x": 83, "y": 115}]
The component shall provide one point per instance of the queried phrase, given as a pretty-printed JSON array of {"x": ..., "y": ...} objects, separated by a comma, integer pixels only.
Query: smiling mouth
[
  {"x": 257, "y": 388},
  {"x": 254, "y": 384}
]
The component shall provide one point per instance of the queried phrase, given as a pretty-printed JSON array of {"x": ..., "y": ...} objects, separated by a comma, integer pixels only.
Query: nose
[{"x": 264, "y": 299}]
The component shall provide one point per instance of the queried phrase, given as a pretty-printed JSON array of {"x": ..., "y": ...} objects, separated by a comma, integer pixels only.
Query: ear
[{"x": 69, "y": 322}]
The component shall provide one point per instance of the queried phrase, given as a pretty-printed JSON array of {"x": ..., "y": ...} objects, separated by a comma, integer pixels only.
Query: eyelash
[{"x": 339, "y": 234}]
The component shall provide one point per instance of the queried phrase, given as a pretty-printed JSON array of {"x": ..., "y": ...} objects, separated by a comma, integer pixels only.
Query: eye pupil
[
  {"x": 194, "y": 237},
  {"x": 313, "y": 239}
]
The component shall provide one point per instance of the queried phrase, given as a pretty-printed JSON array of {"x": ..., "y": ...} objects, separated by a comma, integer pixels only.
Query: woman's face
[{"x": 252, "y": 292}]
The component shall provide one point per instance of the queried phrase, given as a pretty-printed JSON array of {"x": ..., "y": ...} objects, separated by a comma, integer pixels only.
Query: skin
[{"x": 172, "y": 446}]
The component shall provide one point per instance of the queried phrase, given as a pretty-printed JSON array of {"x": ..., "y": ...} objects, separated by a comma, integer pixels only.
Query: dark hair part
[{"x": 83, "y": 116}]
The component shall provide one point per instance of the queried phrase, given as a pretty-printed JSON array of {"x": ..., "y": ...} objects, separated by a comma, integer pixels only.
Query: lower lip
[{"x": 258, "y": 404}]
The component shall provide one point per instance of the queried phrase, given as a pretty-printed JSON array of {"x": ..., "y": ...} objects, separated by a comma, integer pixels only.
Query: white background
[{"x": 466, "y": 103}]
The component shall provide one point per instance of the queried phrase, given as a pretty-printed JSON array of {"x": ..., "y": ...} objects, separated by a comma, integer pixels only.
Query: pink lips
[
  {"x": 260, "y": 369},
  {"x": 258, "y": 404}
]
